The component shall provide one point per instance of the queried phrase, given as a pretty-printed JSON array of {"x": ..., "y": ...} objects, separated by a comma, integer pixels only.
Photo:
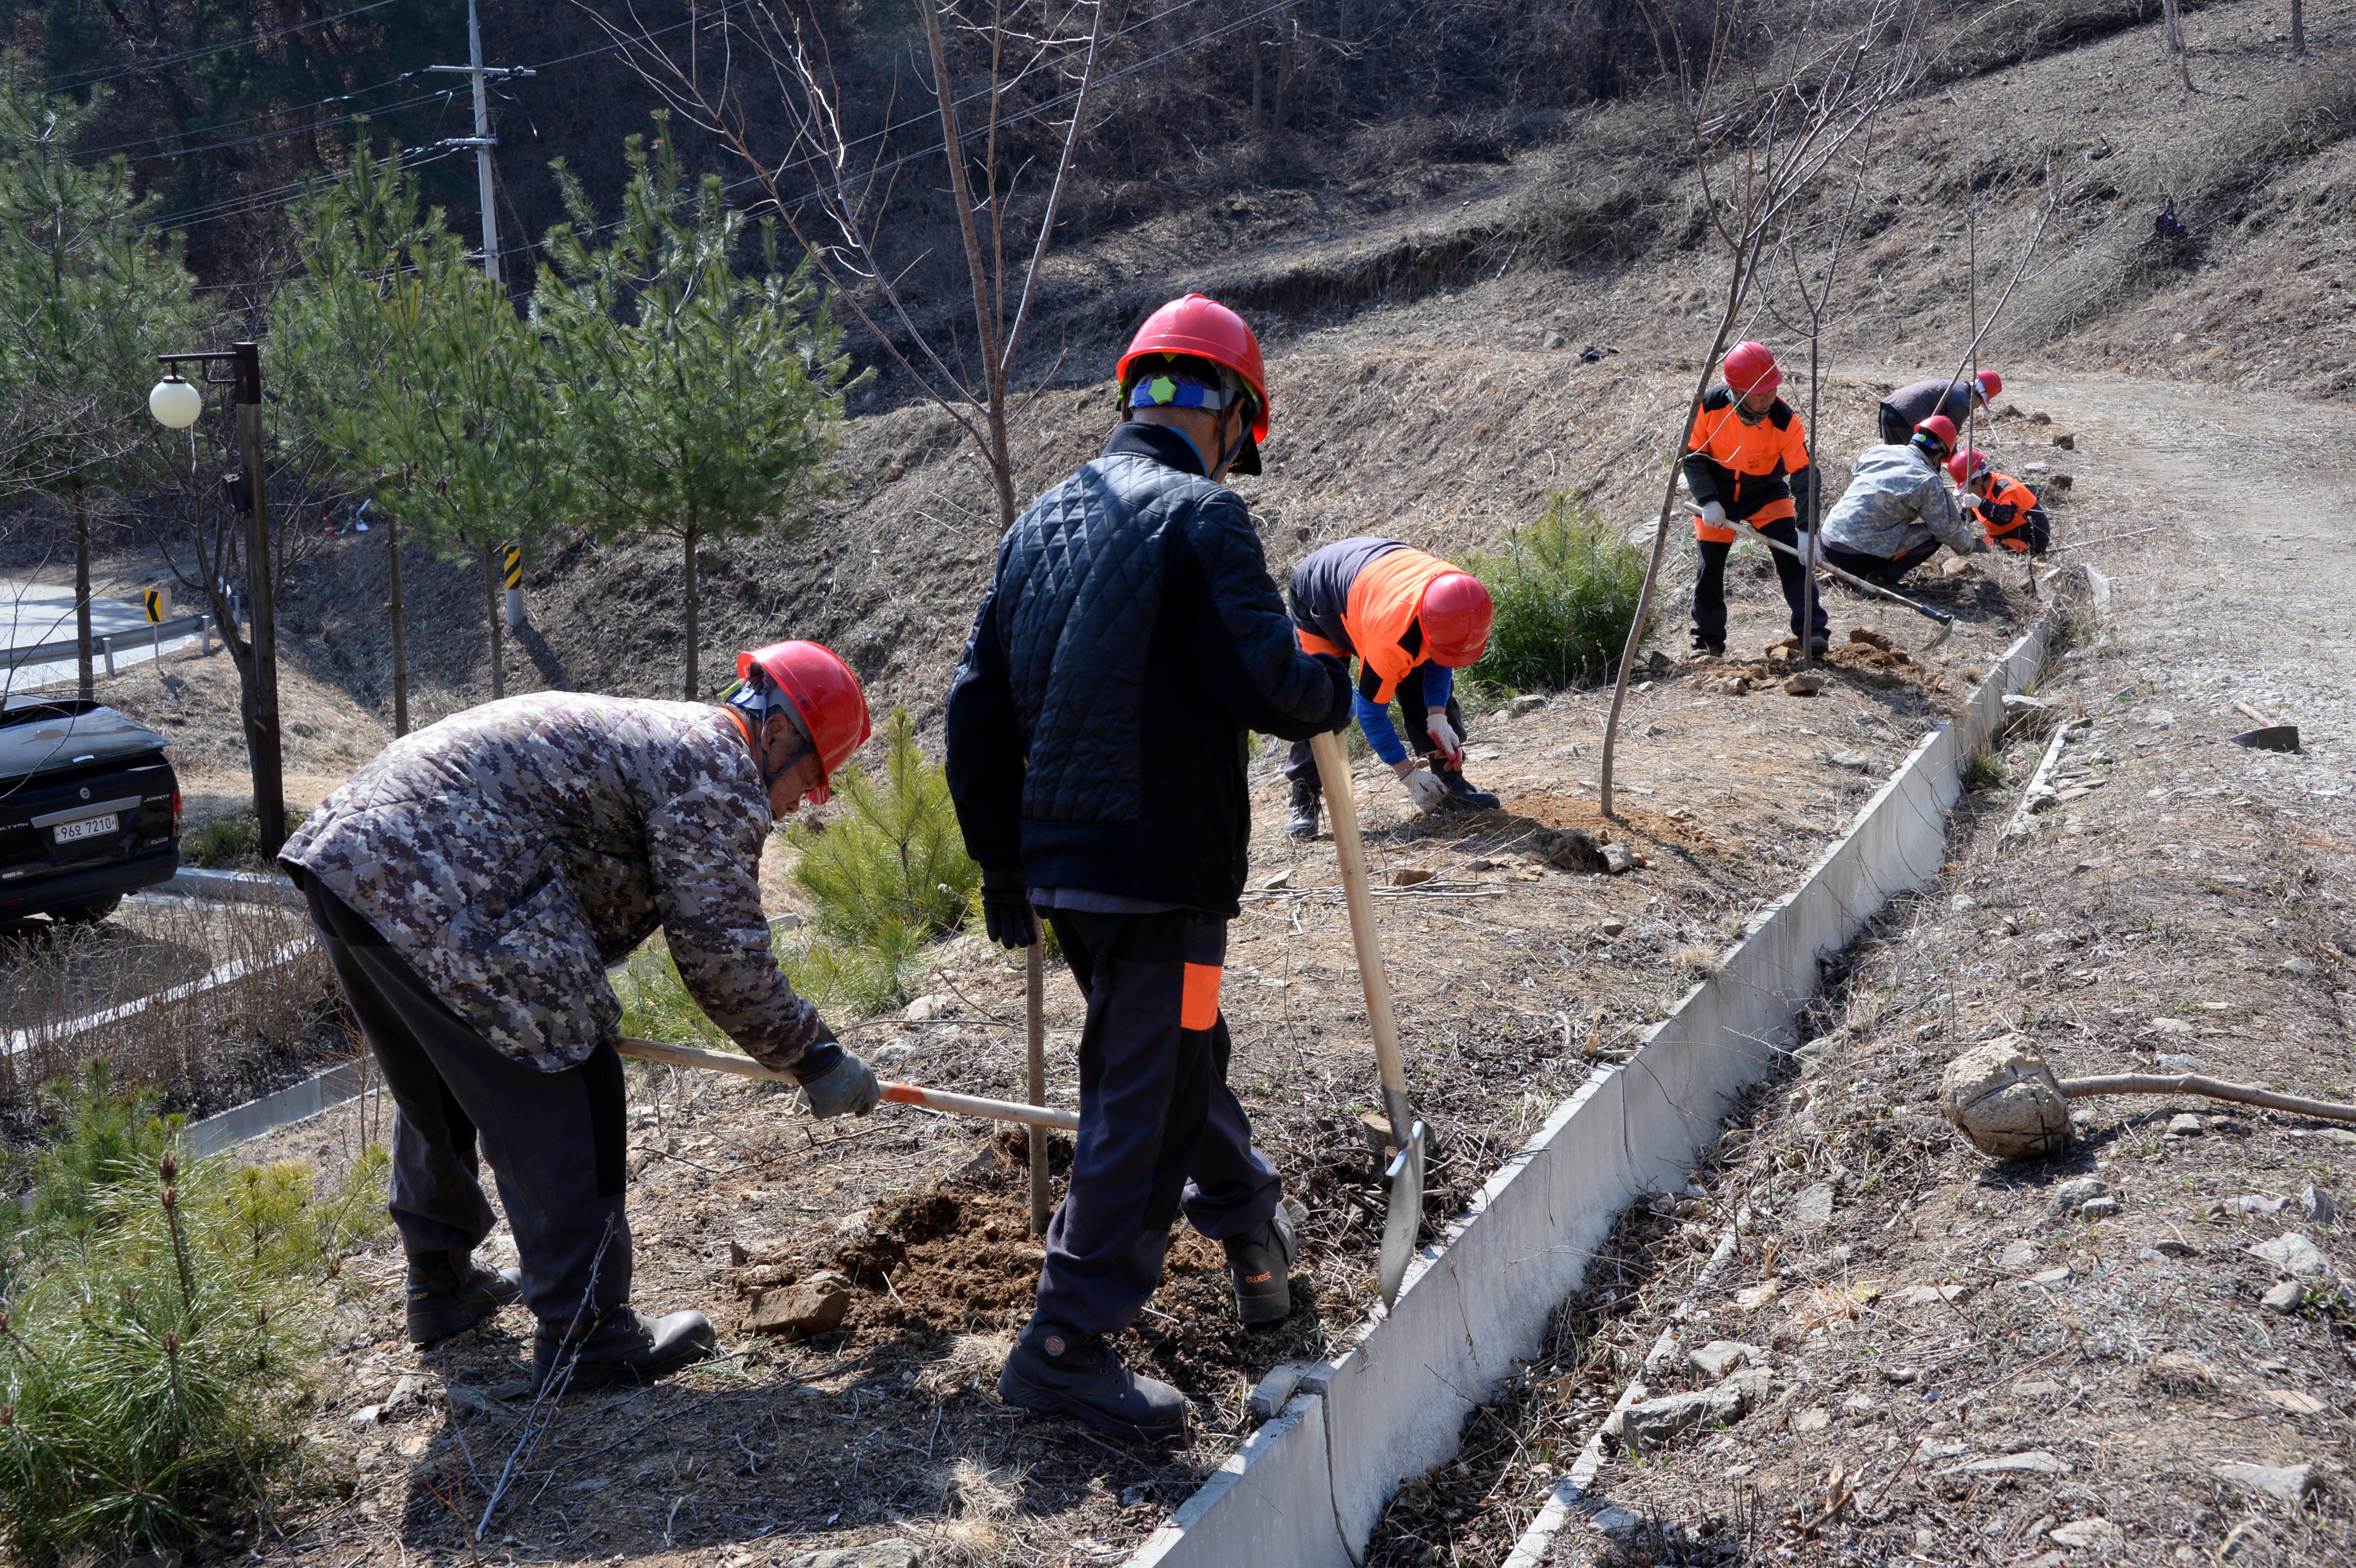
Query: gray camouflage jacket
[
  {"x": 1897, "y": 500},
  {"x": 512, "y": 852}
]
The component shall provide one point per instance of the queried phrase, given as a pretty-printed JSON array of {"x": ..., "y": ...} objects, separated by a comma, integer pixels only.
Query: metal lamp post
[{"x": 176, "y": 403}]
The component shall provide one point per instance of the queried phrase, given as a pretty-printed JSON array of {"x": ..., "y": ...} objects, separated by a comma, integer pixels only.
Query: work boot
[
  {"x": 624, "y": 1346},
  {"x": 1819, "y": 645},
  {"x": 1462, "y": 796},
  {"x": 1055, "y": 1371},
  {"x": 1703, "y": 647},
  {"x": 449, "y": 1293},
  {"x": 1260, "y": 1260},
  {"x": 1305, "y": 797}
]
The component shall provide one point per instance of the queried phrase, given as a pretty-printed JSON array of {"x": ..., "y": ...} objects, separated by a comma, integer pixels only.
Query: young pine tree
[{"x": 702, "y": 402}]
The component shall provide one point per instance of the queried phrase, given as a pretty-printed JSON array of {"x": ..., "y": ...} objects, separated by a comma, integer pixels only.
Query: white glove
[
  {"x": 1423, "y": 787},
  {"x": 1812, "y": 547},
  {"x": 1713, "y": 514},
  {"x": 1444, "y": 736}
]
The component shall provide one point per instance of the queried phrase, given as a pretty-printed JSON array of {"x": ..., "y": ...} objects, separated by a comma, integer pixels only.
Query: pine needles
[
  {"x": 887, "y": 877},
  {"x": 1565, "y": 589},
  {"x": 159, "y": 1316}
]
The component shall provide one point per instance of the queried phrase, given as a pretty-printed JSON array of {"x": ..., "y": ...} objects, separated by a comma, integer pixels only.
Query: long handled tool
[
  {"x": 1404, "y": 1217},
  {"x": 1947, "y": 622},
  {"x": 899, "y": 1093},
  {"x": 1034, "y": 998}
]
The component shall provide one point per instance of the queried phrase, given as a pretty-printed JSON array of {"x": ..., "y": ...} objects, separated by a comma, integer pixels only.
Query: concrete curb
[
  {"x": 1310, "y": 1487},
  {"x": 296, "y": 1102}
]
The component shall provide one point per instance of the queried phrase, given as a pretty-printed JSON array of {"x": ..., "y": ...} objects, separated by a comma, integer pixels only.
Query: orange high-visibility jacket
[
  {"x": 1759, "y": 473},
  {"x": 1360, "y": 596},
  {"x": 2004, "y": 490}
]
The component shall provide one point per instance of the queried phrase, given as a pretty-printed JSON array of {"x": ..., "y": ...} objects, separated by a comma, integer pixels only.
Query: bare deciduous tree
[
  {"x": 1765, "y": 107},
  {"x": 834, "y": 189}
]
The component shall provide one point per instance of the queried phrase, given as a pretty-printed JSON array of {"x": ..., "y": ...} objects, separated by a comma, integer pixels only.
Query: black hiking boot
[
  {"x": 1819, "y": 645},
  {"x": 1703, "y": 648},
  {"x": 1260, "y": 1261},
  {"x": 1055, "y": 1371},
  {"x": 1462, "y": 796},
  {"x": 449, "y": 1293},
  {"x": 1305, "y": 799},
  {"x": 622, "y": 1347}
]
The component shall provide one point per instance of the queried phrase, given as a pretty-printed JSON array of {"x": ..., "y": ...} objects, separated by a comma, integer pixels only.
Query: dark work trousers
[
  {"x": 1159, "y": 1130},
  {"x": 1302, "y": 762},
  {"x": 1876, "y": 568},
  {"x": 1710, "y": 584},
  {"x": 1895, "y": 430},
  {"x": 555, "y": 1140}
]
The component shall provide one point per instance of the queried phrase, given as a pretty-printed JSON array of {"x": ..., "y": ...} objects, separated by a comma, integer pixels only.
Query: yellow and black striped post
[{"x": 512, "y": 559}]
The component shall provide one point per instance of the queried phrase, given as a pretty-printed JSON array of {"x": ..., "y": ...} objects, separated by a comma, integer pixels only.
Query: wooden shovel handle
[
  {"x": 899, "y": 1093},
  {"x": 1333, "y": 769}
]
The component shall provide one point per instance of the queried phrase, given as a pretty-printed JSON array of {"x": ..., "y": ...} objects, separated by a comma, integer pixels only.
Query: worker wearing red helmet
[
  {"x": 1898, "y": 509},
  {"x": 1129, "y": 643},
  {"x": 1747, "y": 462},
  {"x": 471, "y": 886},
  {"x": 1412, "y": 621},
  {"x": 1903, "y": 412},
  {"x": 2008, "y": 510}
]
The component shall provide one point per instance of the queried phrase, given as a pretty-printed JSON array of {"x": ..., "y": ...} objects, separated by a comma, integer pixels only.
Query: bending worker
[
  {"x": 2007, "y": 509},
  {"x": 1128, "y": 640},
  {"x": 1903, "y": 412},
  {"x": 1897, "y": 510},
  {"x": 470, "y": 886},
  {"x": 1413, "y": 621},
  {"x": 1747, "y": 462}
]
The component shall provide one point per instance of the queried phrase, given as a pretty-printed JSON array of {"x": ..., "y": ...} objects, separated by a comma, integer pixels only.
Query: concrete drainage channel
[{"x": 1311, "y": 1485}]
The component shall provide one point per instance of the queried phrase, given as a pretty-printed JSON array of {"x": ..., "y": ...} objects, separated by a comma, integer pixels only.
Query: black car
[{"x": 90, "y": 810}]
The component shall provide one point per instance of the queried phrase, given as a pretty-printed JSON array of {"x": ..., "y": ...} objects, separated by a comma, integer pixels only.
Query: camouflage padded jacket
[{"x": 512, "y": 852}]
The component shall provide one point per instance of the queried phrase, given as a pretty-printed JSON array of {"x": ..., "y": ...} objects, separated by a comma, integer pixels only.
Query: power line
[
  {"x": 145, "y": 67},
  {"x": 242, "y": 119}
]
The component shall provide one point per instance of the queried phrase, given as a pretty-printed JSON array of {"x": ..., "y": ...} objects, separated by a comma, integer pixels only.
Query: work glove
[
  {"x": 1006, "y": 910},
  {"x": 1423, "y": 787},
  {"x": 1342, "y": 709},
  {"x": 1713, "y": 514},
  {"x": 1444, "y": 736},
  {"x": 836, "y": 1082}
]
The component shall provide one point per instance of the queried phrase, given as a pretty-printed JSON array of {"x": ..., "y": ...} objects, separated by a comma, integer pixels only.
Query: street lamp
[{"x": 176, "y": 403}]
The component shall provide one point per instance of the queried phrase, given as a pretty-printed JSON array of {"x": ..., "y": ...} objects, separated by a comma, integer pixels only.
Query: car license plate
[{"x": 95, "y": 827}]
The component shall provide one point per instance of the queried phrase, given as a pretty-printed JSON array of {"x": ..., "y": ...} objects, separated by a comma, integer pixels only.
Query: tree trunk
[
  {"x": 1254, "y": 102},
  {"x": 492, "y": 618},
  {"x": 2175, "y": 37},
  {"x": 2298, "y": 27},
  {"x": 693, "y": 629},
  {"x": 1285, "y": 65},
  {"x": 400, "y": 632},
  {"x": 88, "y": 684}
]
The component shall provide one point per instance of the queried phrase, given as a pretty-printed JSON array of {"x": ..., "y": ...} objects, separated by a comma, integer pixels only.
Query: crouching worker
[
  {"x": 471, "y": 885},
  {"x": 1898, "y": 509},
  {"x": 1747, "y": 462},
  {"x": 1130, "y": 638},
  {"x": 1413, "y": 621},
  {"x": 2008, "y": 510}
]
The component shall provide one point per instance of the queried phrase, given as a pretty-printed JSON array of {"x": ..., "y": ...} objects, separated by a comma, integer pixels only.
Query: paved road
[{"x": 32, "y": 614}]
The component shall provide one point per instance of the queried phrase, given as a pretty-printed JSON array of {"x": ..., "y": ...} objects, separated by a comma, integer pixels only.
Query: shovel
[
  {"x": 898, "y": 1094},
  {"x": 1403, "y": 1216},
  {"x": 1947, "y": 622}
]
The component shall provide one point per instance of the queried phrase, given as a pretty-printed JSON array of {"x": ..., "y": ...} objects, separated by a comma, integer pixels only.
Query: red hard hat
[
  {"x": 1990, "y": 385},
  {"x": 1968, "y": 465},
  {"x": 826, "y": 698},
  {"x": 1201, "y": 326},
  {"x": 1455, "y": 612},
  {"x": 1941, "y": 428},
  {"x": 1751, "y": 368}
]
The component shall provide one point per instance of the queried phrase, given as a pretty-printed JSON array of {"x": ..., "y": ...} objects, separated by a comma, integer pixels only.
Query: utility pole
[{"x": 482, "y": 141}]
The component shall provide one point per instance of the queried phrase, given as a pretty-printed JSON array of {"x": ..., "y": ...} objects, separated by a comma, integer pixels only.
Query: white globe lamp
[{"x": 175, "y": 402}]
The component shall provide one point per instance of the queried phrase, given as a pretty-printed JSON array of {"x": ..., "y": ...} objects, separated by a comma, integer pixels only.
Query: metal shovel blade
[{"x": 1403, "y": 1215}]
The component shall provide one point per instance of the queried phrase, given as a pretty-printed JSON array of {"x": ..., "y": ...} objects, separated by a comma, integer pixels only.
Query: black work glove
[
  {"x": 1006, "y": 910},
  {"x": 836, "y": 1082},
  {"x": 1340, "y": 670}
]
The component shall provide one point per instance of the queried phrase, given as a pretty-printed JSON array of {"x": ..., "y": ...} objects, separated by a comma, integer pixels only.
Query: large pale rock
[
  {"x": 2290, "y": 1483},
  {"x": 813, "y": 1306},
  {"x": 1657, "y": 1421},
  {"x": 2003, "y": 1097}
]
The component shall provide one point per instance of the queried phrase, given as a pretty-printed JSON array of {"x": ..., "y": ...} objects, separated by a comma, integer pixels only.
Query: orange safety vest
[
  {"x": 1384, "y": 599},
  {"x": 1751, "y": 463},
  {"x": 2004, "y": 490}
]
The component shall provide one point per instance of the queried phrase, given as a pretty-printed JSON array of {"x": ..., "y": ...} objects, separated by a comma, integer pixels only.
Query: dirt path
[{"x": 1960, "y": 1365}]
